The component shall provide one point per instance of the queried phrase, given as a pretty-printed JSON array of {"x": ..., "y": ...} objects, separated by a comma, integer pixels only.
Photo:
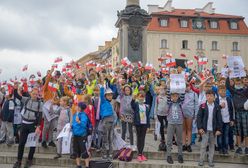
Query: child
[
  {"x": 64, "y": 118},
  {"x": 107, "y": 122},
  {"x": 80, "y": 130},
  {"x": 7, "y": 114},
  {"x": 175, "y": 126},
  {"x": 161, "y": 109},
  {"x": 209, "y": 124},
  {"x": 126, "y": 113},
  {"x": 227, "y": 119},
  {"x": 141, "y": 121},
  {"x": 190, "y": 108}
]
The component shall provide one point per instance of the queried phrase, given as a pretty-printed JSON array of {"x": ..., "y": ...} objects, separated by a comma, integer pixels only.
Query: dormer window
[
  {"x": 184, "y": 23},
  {"x": 213, "y": 24},
  {"x": 163, "y": 22},
  {"x": 233, "y": 25}
]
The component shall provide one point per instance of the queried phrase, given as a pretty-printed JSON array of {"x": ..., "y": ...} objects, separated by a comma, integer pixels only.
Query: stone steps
[
  {"x": 44, "y": 161},
  {"x": 153, "y": 155}
]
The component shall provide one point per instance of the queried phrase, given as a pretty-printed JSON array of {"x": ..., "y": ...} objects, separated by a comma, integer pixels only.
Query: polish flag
[
  {"x": 55, "y": 66},
  {"x": 171, "y": 62},
  {"x": 196, "y": 58},
  {"x": 91, "y": 64},
  {"x": 183, "y": 55},
  {"x": 68, "y": 65},
  {"x": 168, "y": 55},
  {"x": 77, "y": 66},
  {"x": 165, "y": 70},
  {"x": 39, "y": 74},
  {"x": 8, "y": 89},
  {"x": 190, "y": 62},
  {"x": 202, "y": 61},
  {"x": 11, "y": 80},
  {"x": 148, "y": 66},
  {"x": 125, "y": 62},
  {"x": 140, "y": 64},
  {"x": 161, "y": 59},
  {"x": 58, "y": 59},
  {"x": 52, "y": 87},
  {"x": 25, "y": 68},
  {"x": 129, "y": 71},
  {"x": 99, "y": 67},
  {"x": 224, "y": 56},
  {"x": 64, "y": 69}
]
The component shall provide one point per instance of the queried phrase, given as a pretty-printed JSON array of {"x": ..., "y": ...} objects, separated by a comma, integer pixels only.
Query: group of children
[{"x": 96, "y": 102}]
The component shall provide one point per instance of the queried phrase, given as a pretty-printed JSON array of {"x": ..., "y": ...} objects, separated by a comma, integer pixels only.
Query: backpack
[
  {"x": 125, "y": 154},
  {"x": 24, "y": 109}
]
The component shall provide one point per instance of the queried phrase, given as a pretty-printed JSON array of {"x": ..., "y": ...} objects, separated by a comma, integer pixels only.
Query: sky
[{"x": 35, "y": 32}]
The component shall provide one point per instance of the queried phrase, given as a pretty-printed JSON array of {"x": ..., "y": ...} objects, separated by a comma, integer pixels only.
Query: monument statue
[{"x": 132, "y": 22}]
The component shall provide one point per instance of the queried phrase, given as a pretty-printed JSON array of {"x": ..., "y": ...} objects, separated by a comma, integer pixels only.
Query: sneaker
[
  {"x": 184, "y": 148},
  {"x": 239, "y": 151},
  {"x": 201, "y": 163},
  {"x": 180, "y": 158},
  {"x": 57, "y": 156},
  {"x": 170, "y": 160},
  {"x": 52, "y": 144},
  {"x": 246, "y": 151},
  {"x": 28, "y": 164},
  {"x": 17, "y": 164},
  {"x": 143, "y": 158},
  {"x": 189, "y": 148},
  {"x": 210, "y": 164},
  {"x": 139, "y": 158},
  {"x": 44, "y": 144}
]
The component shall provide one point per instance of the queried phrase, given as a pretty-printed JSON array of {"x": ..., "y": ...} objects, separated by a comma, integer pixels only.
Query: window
[
  {"x": 235, "y": 46},
  {"x": 163, "y": 43},
  {"x": 199, "y": 45},
  {"x": 213, "y": 24},
  {"x": 214, "y": 45},
  {"x": 184, "y": 23},
  {"x": 185, "y": 44},
  {"x": 164, "y": 22},
  {"x": 233, "y": 25}
]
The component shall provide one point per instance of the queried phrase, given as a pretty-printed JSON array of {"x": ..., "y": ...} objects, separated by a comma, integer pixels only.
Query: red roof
[{"x": 174, "y": 25}]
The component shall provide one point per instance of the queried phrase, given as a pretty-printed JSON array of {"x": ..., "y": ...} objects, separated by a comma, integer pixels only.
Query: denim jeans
[{"x": 222, "y": 139}]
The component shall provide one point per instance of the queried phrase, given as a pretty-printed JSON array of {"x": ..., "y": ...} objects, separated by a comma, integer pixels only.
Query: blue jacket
[
  {"x": 135, "y": 107},
  {"x": 106, "y": 109},
  {"x": 81, "y": 129},
  {"x": 8, "y": 110}
]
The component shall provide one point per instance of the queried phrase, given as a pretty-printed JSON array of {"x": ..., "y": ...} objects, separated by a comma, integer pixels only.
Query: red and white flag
[
  {"x": 52, "y": 87},
  {"x": 171, "y": 62},
  {"x": 99, "y": 67},
  {"x": 161, "y": 59},
  {"x": 39, "y": 74},
  {"x": 183, "y": 55},
  {"x": 68, "y": 65},
  {"x": 202, "y": 61},
  {"x": 58, "y": 59},
  {"x": 165, "y": 70},
  {"x": 196, "y": 58},
  {"x": 224, "y": 56},
  {"x": 168, "y": 55},
  {"x": 91, "y": 64},
  {"x": 129, "y": 71},
  {"x": 140, "y": 64},
  {"x": 55, "y": 66},
  {"x": 125, "y": 62},
  {"x": 148, "y": 66},
  {"x": 190, "y": 62},
  {"x": 64, "y": 69},
  {"x": 25, "y": 68}
]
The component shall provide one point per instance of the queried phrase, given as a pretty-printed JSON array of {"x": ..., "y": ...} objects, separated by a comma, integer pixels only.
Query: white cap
[{"x": 108, "y": 91}]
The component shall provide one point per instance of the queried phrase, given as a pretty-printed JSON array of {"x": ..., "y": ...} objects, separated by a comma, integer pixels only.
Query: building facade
[{"x": 195, "y": 32}]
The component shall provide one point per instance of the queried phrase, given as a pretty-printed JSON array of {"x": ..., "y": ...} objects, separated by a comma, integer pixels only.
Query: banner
[
  {"x": 65, "y": 131},
  {"x": 48, "y": 111},
  {"x": 66, "y": 144},
  {"x": 177, "y": 84},
  {"x": 236, "y": 66},
  {"x": 32, "y": 140},
  {"x": 224, "y": 72}
]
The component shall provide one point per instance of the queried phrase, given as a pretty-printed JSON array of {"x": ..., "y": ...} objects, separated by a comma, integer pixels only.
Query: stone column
[{"x": 133, "y": 2}]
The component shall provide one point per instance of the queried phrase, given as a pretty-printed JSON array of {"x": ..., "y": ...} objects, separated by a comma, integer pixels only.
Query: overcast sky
[{"x": 35, "y": 32}]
